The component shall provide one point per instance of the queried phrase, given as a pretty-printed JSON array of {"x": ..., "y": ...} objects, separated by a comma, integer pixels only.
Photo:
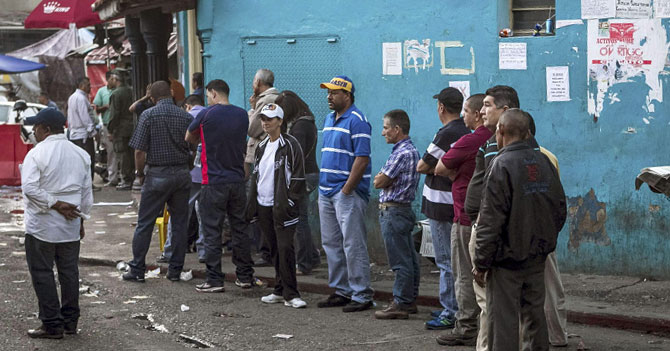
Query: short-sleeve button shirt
[
  {"x": 401, "y": 168},
  {"x": 160, "y": 133},
  {"x": 344, "y": 139}
]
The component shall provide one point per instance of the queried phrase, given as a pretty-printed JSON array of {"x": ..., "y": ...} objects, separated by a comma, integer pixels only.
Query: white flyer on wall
[
  {"x": 662, "y": 8},
  {"x": 598, "y": 9},
  {"x": 463, "y": 86},
  {"x": 392, "y": 59},
  {"x": 512, "y": 56},
  {"x": 633, "y": 8},
  {"x": 558, "y": 83}
]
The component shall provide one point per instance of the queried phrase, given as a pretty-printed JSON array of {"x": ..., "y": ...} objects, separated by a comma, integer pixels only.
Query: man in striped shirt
[
  {"x": 438, "y": 201},
  {"x": 344, "y": 188}
]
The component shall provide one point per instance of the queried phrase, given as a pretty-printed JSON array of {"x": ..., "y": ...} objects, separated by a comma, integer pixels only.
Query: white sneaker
[
  {"x": 296, "y": 302},
  {"x": 272, "y": 298}
]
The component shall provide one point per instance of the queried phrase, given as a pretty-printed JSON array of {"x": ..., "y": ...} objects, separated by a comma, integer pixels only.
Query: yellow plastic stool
[{"x": 162, "y": 223}]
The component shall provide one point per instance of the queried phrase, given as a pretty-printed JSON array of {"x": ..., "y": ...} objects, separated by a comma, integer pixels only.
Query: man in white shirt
[
  {"x": 56, "y": 184},
  {"x": 81, "y": 120}
]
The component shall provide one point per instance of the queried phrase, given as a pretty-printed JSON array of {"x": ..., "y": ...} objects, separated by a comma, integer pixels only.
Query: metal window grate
[
  {"x": 299, "y": 64},
  {"x": 526, "y": 13}
]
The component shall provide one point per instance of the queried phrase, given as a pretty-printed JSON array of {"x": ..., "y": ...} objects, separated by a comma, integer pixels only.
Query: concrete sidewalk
[{"x": 610, "y": 301}]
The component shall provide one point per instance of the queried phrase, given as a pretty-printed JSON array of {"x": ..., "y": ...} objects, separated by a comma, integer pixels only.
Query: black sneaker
[
  {"x": 355, "y": 306},
  {"x": 334, "y": 300},
  {"x": 130, "y": 277},
  {"x": 261, "y": 262},
  {"x": 70, "y": 328},
  {"x": 162, "y": 259},
  {"x": 209, "y": 288},
  {"x": 173, "y": 277},
  {"x": 44, "y": 333}
]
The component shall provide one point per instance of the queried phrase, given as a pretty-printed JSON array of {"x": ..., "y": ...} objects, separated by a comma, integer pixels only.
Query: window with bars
[{"x": 526, "y": 14}]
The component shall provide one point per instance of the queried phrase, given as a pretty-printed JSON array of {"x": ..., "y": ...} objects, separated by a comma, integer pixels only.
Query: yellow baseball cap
[{"x": 339, "y": 82}]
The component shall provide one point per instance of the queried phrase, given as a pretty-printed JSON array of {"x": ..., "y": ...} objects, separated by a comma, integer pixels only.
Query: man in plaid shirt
[
  {"x": 159, "y": 142},
  {"x": 398, "y": 182}
]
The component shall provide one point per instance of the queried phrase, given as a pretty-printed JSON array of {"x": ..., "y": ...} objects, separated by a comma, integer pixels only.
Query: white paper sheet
[
  {"x": 633, "y": 8},
  {"x": 598, "y": 9},
  {"x": 558, "y": 83},
  {"x": 512, "y": 56},
  {"x": 661, "y": 8},
  {"x": 565, "y": 23},
  {"x": 392, "y": 59}
]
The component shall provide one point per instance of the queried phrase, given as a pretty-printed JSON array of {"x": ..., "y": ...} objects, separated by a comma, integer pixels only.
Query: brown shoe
[
  {"x": 392, "y": 311},
  {"x": 412, "y": 308}
]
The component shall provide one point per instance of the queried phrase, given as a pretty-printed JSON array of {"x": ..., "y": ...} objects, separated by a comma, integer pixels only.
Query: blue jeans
[
  {"x": 344, "y": 240},
  {"x": 192, "y": 199},
  {"x": 441, "y": 233},
  {"x": 307, "y": 254},
  {"x": 396, "y": 225},
  {"x": 171, "y": 185}
]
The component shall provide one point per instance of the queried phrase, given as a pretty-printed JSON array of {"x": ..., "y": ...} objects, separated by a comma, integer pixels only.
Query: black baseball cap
[
  {"x": 450, "y": 97},
  {"x": 48, "y": 116}
]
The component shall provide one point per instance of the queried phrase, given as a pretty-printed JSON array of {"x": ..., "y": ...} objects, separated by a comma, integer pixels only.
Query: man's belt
[{"x": 385, "y": 205}]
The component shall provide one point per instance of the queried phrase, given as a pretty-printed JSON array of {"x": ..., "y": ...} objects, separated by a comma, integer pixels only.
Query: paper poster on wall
[
  {"x": 512, "y": 56},
  {"x": 620, "y": 49},
  {"x": 558, "y": 83},
  {"x": 633, "y": 8},
  {"x": 598, "y": 9},
  {"x": 661, "y": 8},
  {"x": 464, "y": 87},
  {"x": 392, "y": 59}
]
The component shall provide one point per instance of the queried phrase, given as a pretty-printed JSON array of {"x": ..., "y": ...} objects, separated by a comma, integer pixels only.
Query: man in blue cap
[
  {"x": 56, "y": 185},
  {"x": 344, "y": 189}
]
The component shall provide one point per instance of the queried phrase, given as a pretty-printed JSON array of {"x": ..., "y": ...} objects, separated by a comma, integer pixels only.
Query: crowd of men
[{"x": 492, "y": 196}]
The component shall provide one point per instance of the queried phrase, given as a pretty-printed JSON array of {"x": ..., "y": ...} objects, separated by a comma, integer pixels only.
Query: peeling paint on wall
[
  {"x": 415, "y": 51},
  {"x": 587, "y": 221},
  {"x": 620, "y": 49}
]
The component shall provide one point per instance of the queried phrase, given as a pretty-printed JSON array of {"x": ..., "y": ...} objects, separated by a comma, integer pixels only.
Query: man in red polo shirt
[{"x": 459, "y": 164}]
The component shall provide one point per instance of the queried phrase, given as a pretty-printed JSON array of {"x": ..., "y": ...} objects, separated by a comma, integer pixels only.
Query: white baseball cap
[{"x": 272, "y": 110}]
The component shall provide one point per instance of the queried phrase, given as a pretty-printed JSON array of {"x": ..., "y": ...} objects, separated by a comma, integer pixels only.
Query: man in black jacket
[{"x": 522, "y": 211}]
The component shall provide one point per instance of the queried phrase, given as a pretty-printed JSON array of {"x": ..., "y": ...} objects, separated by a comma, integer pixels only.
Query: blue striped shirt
[
  {"x": 344, "y": 139},
  {"x": 401, "y": 167}
]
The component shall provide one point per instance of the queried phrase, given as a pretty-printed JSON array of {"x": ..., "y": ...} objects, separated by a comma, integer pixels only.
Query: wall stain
[{"x": 587, "y": 221}]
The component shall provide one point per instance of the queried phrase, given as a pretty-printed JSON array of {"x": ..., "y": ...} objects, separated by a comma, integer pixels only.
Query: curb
[{"x": 606, "y": 320}]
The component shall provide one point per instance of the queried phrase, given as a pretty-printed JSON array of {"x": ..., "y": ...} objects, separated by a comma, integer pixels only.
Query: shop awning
[
  {"x": 108, "y": 9},
  {"x": 62, "y": 13}
]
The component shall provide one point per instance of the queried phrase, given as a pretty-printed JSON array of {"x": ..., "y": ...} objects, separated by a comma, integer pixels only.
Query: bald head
[
  {"x": 160, "y": 90},
  {"x": 513, "y": 126}
]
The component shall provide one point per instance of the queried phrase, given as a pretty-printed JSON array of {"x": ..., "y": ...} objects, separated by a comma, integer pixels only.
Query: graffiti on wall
[{"x": 420, "y": 55}]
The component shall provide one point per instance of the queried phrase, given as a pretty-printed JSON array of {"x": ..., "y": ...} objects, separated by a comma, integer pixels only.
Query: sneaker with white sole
[
  {"x": 255, "y": 282},
  {"x": 296, "y": 302},
  {"x": 272, "y": 298}
]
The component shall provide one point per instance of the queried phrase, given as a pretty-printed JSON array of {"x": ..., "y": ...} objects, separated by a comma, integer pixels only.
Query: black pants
[
  {"x": 41, "y": 255},
  {"x": 89, "y": 147},
  {"x": 171, "y": 185},
  {"x": 217, "y": 201},
  {"x": 261, "y": 245},
  {"x": 513, "y": 297},
  {"x": 280, "y": 239}
]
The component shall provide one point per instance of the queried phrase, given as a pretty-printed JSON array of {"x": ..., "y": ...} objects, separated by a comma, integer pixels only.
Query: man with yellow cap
[{"x": 344, "y": 188}]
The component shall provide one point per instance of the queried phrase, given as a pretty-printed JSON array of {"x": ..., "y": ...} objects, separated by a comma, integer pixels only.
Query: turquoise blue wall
[{"x": 592, "y": 155}]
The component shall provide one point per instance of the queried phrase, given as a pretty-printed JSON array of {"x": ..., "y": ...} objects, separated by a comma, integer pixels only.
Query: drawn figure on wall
[{"x": 415, "y": 50}]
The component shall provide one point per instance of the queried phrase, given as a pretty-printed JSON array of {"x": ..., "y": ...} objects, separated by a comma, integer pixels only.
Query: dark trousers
[
  {"x": 41, "y": 255},
  {"x": 261, "y": 245},
  {"x": 89, "y": 147},
  {"x": 513, "y": 297},
  {"x": 217, "y": 201},
  {"x": 280, "y": 239},
  {"x": 171, "y": 185},
  {"x": 126, "y": 158},
  {"x": 307, "y": 253}
]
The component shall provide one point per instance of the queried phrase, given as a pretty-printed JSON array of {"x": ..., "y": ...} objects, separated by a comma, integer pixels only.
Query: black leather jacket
[
  {"x": 522, "y": 210},
  {"x": 289, "y": 181}
]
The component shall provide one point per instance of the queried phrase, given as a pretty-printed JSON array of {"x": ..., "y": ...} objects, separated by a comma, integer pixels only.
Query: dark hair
[
  {"x": 476, "y": 101},
  {"x": 531, "y": 123},
  {"x": 44, "y": 94},
  {"x": 504, "y": 95},
  {"x": 193, "y": 100},
  {"x": 352, "y": 97},
  {"x": 398, "y": 118},
  {"x": 107, "y": 74},
  {"x": 293, "y": 106},
  {"x": 219, "y": 86},
  {"x": 198, "y": 78},
  {"x": 516, "y": 122},
  {"x": 53, "y": 129},
  {"x": 82, "y": 81},
  {"x": 160, "y": 90}
]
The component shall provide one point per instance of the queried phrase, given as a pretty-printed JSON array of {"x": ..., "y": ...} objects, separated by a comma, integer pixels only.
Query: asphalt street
[{"x": 117, "y": 315}]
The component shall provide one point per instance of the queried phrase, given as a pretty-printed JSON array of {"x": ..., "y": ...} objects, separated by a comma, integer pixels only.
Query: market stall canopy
[
  {"x": 10, "y": 65},
  {"x": 109, "y": 9},
  {"x": 62, "y": 13},
  {"x": 658, "y": 179}
]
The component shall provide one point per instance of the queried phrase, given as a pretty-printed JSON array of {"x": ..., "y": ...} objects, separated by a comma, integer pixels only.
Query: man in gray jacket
[{"x": 264, "y": 93}]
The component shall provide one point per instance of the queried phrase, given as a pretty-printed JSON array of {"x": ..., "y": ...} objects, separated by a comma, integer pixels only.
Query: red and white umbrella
[{"x": 62, "y": 14}]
